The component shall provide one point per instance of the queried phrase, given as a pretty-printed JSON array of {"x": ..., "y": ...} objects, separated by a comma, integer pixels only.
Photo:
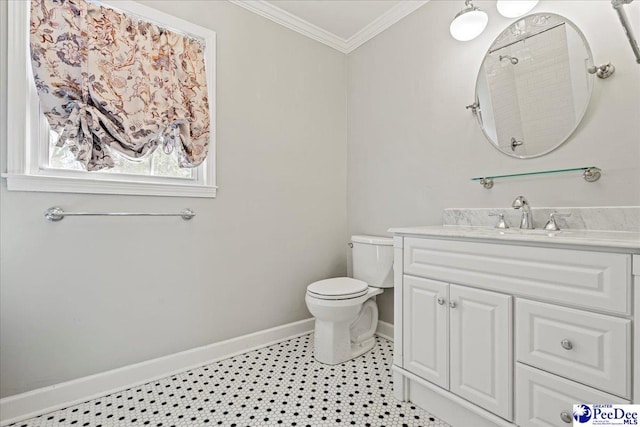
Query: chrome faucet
[{"x": 526, "y": 221}]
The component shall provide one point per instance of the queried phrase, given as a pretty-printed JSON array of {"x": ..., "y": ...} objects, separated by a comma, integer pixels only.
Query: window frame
[{"x": 27, "y": 141}]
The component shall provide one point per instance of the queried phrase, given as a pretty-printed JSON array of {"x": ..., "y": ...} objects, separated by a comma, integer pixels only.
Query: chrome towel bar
[{"x": 57, "y": 214}]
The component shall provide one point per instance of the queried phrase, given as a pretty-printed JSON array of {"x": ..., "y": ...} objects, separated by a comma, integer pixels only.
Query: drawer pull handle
[
  {"x": 566, "y": 344},
  {"x": 440, "y": 300},
  {"x": 452, "y": 304},
  {"x": 566, "y": 417}
]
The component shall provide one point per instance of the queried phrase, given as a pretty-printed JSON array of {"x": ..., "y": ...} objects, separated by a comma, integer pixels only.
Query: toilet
[{"x": 345, "y": 310}]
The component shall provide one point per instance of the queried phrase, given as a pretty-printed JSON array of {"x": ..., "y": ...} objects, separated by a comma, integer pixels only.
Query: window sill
[{"x": 57, "y": 184}]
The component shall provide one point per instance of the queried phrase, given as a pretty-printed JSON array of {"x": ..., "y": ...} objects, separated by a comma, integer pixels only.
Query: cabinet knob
[
  {"x": 452, "y": 304},
  {"x": 566, "y": 344},
  {"x": 440, "y": 300},
  {"x": 566, "y": 417}
]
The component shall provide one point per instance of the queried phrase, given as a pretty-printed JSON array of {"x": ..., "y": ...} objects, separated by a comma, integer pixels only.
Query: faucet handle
[
  {"x": 552, "y": 224},
  {"x": 502, "y": 224}
]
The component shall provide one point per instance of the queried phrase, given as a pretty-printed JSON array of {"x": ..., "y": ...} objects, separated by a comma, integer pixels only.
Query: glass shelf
[{"x": 589, "y": 173}]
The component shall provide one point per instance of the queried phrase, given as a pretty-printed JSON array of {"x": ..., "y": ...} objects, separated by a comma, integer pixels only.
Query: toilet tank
[{"x": 373, "y": 260}]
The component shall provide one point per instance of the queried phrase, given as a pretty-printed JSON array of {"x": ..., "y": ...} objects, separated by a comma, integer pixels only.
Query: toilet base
[
  {"x": 363, "y": 347},
  {"x": 331, "y": 342},
  {"x": 337, "y": 342},
  {"x": 339, "y": 352}
]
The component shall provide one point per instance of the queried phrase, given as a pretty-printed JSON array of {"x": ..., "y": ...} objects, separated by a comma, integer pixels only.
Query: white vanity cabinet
[
  {"x": 459, "y": 338},
  {"x": 492, "y": 332}
]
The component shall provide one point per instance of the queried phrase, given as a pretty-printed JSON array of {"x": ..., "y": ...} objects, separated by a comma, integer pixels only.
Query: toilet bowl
[{"x": 345, "y": 310}]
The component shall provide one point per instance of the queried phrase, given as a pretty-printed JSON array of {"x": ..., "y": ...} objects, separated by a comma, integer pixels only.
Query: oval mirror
[{"x": 533, "y": 87}]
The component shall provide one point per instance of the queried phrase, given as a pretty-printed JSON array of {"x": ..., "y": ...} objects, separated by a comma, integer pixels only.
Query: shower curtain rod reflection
[
  {"x": 57, "y": 214},
  {"x": 526, "y": 36}
]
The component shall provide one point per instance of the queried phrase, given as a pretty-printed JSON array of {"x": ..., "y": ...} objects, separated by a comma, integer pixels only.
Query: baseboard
[
  {"x": 41, "y": 401},
  {"x": 385, "y": 330}
]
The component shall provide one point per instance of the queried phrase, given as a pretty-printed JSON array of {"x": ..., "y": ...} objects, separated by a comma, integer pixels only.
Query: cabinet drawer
[
  {"x": 590, "y": 348},
  {"x": 542, "y": 398},
  {"x": 597, "y": 280}
]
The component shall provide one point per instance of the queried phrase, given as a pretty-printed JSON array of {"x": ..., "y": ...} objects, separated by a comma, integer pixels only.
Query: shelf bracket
[
  {"x": 487, "y": 183},
  {"x": 591, "y": 174}
]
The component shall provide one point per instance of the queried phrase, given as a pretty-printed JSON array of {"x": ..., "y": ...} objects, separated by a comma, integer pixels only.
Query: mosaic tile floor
[{"x": 280, "y": 385}]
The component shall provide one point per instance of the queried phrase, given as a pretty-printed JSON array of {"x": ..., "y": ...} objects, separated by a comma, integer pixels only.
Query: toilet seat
[{"x": 338, "y": 288}]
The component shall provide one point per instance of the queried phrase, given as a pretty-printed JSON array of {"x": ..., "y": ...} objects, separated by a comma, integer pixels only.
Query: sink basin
[
  {"x": 533, "y": 232},
  {"x": 488, "y": 231}
]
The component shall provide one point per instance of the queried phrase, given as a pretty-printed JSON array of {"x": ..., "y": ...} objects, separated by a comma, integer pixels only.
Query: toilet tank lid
[{"x": 373, "y": 240}]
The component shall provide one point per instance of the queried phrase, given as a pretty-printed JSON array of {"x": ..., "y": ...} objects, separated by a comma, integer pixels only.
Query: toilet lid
[{"x": 337, "y": 288}]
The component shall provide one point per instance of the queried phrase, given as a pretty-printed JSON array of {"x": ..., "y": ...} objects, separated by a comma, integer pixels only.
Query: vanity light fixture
[
  {"x": 515, "y": 8},
  {"x": 469, "y": 23}
]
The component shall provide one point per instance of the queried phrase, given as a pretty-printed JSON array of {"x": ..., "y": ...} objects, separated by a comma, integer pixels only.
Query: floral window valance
[{"x": 109, "y": 81}]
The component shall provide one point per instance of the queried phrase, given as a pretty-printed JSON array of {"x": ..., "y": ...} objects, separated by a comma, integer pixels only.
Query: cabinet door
[
  {"x": 481, "y": 348},
  {"x": 426, "y": 329}
]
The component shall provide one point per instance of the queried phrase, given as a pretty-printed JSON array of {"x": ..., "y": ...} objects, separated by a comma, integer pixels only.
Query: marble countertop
[{"x": 626, "y": 240}]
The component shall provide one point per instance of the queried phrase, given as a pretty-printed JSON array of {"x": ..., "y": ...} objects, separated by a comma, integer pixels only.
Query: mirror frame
[{"x": 579, "y": 117}]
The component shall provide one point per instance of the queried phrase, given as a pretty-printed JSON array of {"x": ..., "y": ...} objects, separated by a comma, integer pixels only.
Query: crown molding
[
  {"x": 384, "y": 21},
  {"x": 299, "y": 25}
]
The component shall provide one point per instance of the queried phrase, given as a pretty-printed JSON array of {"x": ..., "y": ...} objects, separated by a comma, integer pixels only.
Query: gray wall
[
  {"x": 87, "y": 295},
  {"x": 90, "y": 294},
  {"x": 413, "y": 147}
]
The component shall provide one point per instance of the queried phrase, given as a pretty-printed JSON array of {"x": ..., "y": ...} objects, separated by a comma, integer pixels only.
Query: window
[{"x": 35, "y": 163}]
